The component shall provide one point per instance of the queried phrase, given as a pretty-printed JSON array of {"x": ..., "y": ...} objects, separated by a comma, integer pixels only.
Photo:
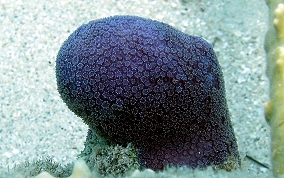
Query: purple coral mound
[{"x": 138, "y": 80}]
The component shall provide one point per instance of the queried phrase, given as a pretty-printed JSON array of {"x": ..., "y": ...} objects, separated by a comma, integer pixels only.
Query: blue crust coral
[{"x": 138, "y": 80}]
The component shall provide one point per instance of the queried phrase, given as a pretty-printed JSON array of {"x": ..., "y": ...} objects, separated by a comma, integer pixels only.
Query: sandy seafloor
[{"x": 34, "y": 120}]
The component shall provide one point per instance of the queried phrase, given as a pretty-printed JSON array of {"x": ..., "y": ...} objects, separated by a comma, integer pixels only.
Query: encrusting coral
[
  {"x": 108, "y": 160},
  {"x": 80, "y": 170},
  {"x": 274, "y": 46},
  {"x": 140, "y": 81}
]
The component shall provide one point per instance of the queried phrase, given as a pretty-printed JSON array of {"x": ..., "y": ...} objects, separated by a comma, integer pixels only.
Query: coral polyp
[{"x": 138, "y": 80}]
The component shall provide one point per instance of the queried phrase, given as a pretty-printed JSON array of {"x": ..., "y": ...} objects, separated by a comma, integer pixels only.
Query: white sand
[{"x": 34, "y": 120}]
